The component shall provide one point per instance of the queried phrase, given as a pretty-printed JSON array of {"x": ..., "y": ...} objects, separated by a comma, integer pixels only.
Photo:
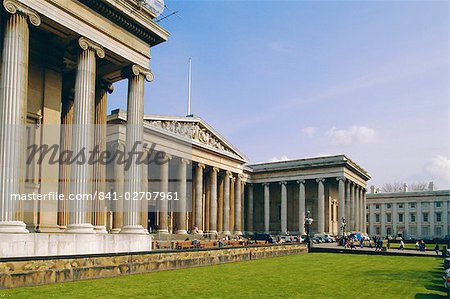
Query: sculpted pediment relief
[{"x": 194, "y": 131}]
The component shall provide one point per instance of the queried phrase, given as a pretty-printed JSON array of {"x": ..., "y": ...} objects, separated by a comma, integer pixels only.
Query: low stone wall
[
  {"x": 45, "y": 244},
  {"x": 19, "y": 272}
]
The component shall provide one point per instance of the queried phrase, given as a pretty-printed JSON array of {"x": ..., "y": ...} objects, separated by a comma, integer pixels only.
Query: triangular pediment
[{"x": 195, "y": 130}]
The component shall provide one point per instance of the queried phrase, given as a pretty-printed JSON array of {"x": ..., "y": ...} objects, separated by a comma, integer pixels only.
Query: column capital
[
  {"x": 13, "y": 6},
  {"x": 341, "y": 178},
  {"x": 228, "y": 174},
  {"x": 137, "y": 70},
  {"x": 320, "y": 180},
  {"x": 184, "y": 160},
  {"x": 86, "y": 44},
  {"x": 201, "y": 165},
  {"x": 265, "y": 184},
  {"x": 167, "y": 157},
  {"x": 301, "y": 181},
  {"x": 282, "y": 183},
  {"x": 215, "y": 169}
]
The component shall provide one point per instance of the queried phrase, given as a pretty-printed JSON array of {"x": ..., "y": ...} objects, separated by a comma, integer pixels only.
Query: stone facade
[
  {"x": 30, "y": 272},
  {"x": 423, "y": 214}
]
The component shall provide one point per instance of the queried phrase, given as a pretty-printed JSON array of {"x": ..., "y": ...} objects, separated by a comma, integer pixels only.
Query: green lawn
[{"x": 315, "y": 275}]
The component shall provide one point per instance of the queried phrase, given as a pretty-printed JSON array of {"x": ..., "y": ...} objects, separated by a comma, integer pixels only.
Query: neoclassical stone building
[
  {"x": 230, "y": 196},
  {"x": 59, "y": 59},
  {"x": 410, "y": 214}
]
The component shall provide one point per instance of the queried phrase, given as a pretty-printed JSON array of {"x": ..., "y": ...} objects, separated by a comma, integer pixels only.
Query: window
[
  {"x": 438, "y": 231},
  {"x": 367, "y": 218},
  {"x": 388, "y": 205},
  {"x": 438, "y": 204},
  {"x": 400, "y": 217},
  {"x": 377, "y": 230},
  {"x": 400, "y": 206},
  {"x": 377, "y": 217},
  {"x": 412, "y": 205},
  {"x": 412, "y": 216},
  {"x": 388, "y": 218},
  {"x": 425, "y": 217},
  {"x": 377, "y": 207},
  {"x": 439, "y": 217},
  {"x": 388, "y": 231}
]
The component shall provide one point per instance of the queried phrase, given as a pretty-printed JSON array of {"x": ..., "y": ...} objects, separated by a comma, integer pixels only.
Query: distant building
[{"x": 415, "y": 214}]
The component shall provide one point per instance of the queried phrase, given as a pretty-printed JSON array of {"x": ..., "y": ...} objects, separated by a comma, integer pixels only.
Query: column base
[
  {"x": 134, "y": 229},
  {"x": 163, "y": 231},
  {"x": 13, "y": 227},
  {"x": 226, "y": 232},
  {"x": 100, "y": 229},
  {"x": 239, "y": 233},
  {"x": 181, "y": 232},
  {"x": 82, "y": 228},
  {"x": 115, "y": 231}
]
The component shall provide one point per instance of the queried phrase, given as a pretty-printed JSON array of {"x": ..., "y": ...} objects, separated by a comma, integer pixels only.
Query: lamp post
[{"x": 308, "y": 222}]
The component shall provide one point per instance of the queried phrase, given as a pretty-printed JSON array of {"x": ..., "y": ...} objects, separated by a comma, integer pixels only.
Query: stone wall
[{"x": 19, "y": 272}]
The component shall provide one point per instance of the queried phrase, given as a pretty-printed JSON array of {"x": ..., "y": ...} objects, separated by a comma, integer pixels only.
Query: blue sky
[{"x": 294, "y": 79}]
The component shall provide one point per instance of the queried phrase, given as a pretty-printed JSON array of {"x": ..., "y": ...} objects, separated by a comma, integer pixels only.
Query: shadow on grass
[{"x": 437, "y": 284}]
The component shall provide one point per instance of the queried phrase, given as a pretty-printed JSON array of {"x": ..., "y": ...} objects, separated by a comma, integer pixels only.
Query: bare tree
[
  {"x": 399, "y": 187},
  {"x": 392, "y": 187}
]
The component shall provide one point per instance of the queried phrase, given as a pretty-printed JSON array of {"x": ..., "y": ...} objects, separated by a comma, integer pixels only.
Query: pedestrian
[
  {"x": 436, "y": 249},
  {"x": 402, "y": 245}
]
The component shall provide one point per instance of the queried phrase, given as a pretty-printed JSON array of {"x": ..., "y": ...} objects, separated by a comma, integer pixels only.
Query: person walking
[
  {"x": 402, "y": 245},
  {"x": 436, "y": 249}
]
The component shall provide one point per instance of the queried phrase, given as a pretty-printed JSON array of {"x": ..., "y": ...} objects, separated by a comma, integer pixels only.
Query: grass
[{"x": 315, "y": 275}]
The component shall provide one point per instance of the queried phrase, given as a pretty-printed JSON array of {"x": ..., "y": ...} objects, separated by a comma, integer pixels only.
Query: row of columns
[
  {"x": 88, "y": 108},
  {"x": 351, "y": 203}
]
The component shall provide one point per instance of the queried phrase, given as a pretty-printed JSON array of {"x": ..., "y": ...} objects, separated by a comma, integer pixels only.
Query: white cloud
[
  {"x": 309, "y": 131},
  {"x": 276, "y": 159},
  {"x": 439, "y": 170},
  {"x": 355, "y": 134}
]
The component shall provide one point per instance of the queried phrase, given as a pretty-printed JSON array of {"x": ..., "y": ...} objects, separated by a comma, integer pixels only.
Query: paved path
[{"x": 334, "y": 247}]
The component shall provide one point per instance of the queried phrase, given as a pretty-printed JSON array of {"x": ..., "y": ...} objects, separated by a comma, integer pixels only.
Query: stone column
[
  {"x": 301, "y": 207},
  {"x": 82, "y": 136},
  {"x": 237, "y": 206},
  {"x": 66, "y": 145},
  {"x": 182, "y": 191},
  {"x": 99, "y": 205},
  {"x": 431, "y": 219},
  {"x": 445, "y": 209},
  {"x": 364, "y": 210},
  {"x": 357, "y": 209},
  {"x": 419, "y": 219},
  {"x": 145, "y": 188},
  {"x": 213, "y": 201},
  {"x": 406, "y": 219},
  {"x": 119, "y": 175},
  {"x": 226, "y": 203},
  {"x": 371, "y": 220},
  {"x": 348, "y": 204},
  {"x": 266, "y": 207},
  {"x": 321, "y": 206},
  {"x": 352, "y": 207},
  {"x": 250, "y": 208},
  {"x": 199, "y": 197},
  {"x": 341, "y": 208},
  {"x": 383, "y": 219},
  {"x": 283, "y": 207},
  {"x": 13, "y": 107},
  {"x": 134, "y": 144},
  {"x": 163, "y": 205}
]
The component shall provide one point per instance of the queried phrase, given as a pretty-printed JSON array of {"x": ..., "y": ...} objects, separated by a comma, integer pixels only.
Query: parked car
[{"x": 264, "y": 237}]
